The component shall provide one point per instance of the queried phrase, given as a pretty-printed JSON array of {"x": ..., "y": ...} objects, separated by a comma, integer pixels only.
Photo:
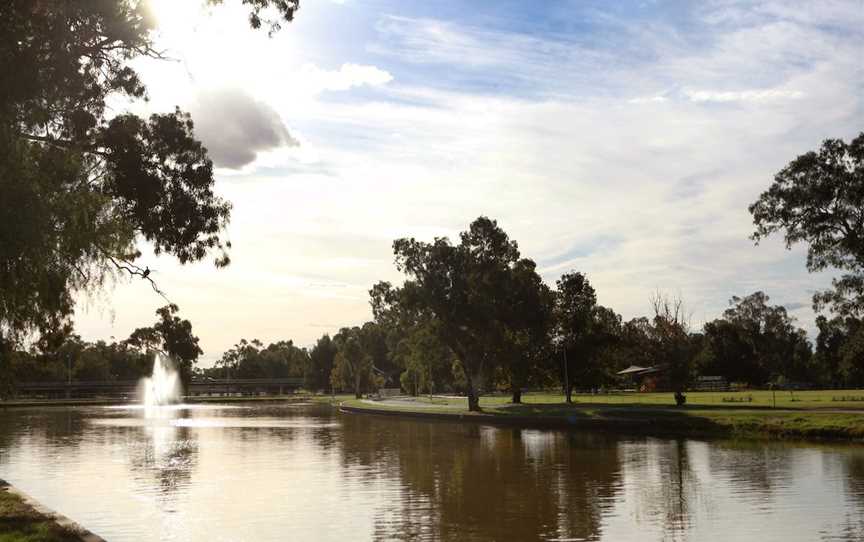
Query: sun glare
[{"x": 176, "y": 15}]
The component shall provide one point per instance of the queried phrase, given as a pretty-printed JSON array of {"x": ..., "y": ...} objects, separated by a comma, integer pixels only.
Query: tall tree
[
  {"x": 523, "y": 335},
  {"x": 672, "y": 345},
  {"x": 413, "y": 341},
  {"x": 819, "y": 199},
  {"x": 463, "y": 289},
  {"x": 575, "y": 302},
  {"x": 426, "y": 361},
  {"x": 840, "y": 351},
  {"x": 756, "y": 342},
  {"x": 352, "y": 367},
  {"x": 81, "y": 187},
  {"x": 320, "y": 366}
]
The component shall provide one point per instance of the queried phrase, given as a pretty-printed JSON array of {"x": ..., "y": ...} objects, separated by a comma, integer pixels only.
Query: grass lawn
[
  {"x": 810, "y": 399},
  {"x": 19, "y": 522},
  {"x": 803, "y": 415}
]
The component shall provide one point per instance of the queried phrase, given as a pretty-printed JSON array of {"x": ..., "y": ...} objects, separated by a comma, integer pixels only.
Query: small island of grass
[{"x": 811, "y": 415}]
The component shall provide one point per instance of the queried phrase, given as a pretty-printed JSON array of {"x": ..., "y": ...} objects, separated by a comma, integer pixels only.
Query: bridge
[{"x": 128, "y": 388}]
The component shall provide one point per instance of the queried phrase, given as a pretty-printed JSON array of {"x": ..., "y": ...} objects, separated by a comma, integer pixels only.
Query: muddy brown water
[{"x": 307, "y": 472}]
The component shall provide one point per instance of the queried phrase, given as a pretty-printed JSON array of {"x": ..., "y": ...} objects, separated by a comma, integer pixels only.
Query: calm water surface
[{"x": 305, "y": 472}]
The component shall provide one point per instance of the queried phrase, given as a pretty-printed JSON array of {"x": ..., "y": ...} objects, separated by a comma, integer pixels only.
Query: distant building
[{"x": 655, "y": 378}]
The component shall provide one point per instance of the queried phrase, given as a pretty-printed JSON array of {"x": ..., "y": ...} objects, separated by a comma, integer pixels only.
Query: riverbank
[
  {"x": 702, "y": 420},
  {"x": 24, "y": 520}
]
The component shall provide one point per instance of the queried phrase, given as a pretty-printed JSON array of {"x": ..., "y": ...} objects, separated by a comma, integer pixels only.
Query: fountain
[{"x": 163, "y": 386}]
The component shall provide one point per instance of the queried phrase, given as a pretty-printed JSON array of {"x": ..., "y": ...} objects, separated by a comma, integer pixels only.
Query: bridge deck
[{"x": 125, "y": 387}]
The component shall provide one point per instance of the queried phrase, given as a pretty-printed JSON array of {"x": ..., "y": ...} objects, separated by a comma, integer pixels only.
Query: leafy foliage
[
  {"x": 82, "y": 187},
  {"x": 320, "y": 366},
  {"x": 468, "y": 291},
  {"x": 353, "y": 363},
  {"x": 819, "y": 199},
  {"x": 756, "y": 343},
  {"x": 586, "y": 332},
  {"x": 251, "y": 359},
  {"x": 840, "y": 351}
]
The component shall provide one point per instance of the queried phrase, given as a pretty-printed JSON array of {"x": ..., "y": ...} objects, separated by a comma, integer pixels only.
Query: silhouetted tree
[
  {"x": 82, "y": 185},
  {"x": 521, "y": 338},
  {"x": 352, "y": 367},
  {"x": 756, "y": 343},
  {"x": 672, "y": 345},
  {"x": 585, "y": 333},
  {"x": 321, "y": 359},
  {"x": 840, "y": 350},
  {"x": 819, "y": 199}
]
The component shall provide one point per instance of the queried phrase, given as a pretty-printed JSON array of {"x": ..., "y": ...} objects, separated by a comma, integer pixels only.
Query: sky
[{"x": 624, "y": 140}]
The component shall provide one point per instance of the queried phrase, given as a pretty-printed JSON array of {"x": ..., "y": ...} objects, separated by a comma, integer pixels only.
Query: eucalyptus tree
[
  {"x": 462, "y": 288},
  {"x": 525, "y": 329},
  {"x": 840, "y": 350},
  {"x": 818, "y": 199},
  {"x": 575, "y": 302},
  {"x": 320, "y": 366},
  {"x": 352, "y": 368},
  {"x": 413, "y": 341},
  {"x": 81, "y": 186},
  {"x": 756, "y": 342}
]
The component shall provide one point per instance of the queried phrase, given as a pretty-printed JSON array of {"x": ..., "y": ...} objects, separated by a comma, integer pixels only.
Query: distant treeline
[
  {"x": 476, "y": 317},
  {"x": 61, "y": 355}
]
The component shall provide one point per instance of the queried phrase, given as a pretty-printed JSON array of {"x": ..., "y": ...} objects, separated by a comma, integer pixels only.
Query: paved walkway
[{"x": 401, "y": 402}]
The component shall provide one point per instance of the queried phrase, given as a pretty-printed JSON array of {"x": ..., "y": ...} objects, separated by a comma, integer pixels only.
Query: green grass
[
  {"x": 810, "y": 399},
  {"x": 19, "y": 522},
  {"x": 808, "y": 417}
]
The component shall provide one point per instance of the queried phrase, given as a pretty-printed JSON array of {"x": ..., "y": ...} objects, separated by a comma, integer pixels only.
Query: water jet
[{"x": 163, "y": 385}]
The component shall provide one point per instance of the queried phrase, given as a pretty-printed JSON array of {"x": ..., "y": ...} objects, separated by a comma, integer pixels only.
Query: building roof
[
  {"x": 632, "y": 369},
  {"x": 637, "y": 370}
]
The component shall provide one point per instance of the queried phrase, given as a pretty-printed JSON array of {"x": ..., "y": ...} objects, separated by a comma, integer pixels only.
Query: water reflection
[
  {"x": 477, "y": 482},
  {"x": 307, "y": 473}
]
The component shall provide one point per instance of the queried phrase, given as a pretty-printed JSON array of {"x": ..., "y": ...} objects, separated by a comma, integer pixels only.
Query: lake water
[{"x": 306, "y": 472}]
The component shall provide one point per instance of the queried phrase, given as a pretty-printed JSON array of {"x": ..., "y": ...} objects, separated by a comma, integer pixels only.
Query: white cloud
[
  {"x": 742, "y": 95},
  {"x": 639, "y": 197},
  {"x": 647, "y": 99},
  {"x": 346, "y": 77}
]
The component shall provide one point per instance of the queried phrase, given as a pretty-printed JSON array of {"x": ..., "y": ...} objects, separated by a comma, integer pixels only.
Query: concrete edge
[{"x": 85, "y": 535}]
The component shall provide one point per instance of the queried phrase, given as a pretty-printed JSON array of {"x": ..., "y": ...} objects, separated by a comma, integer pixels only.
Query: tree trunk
[
  {"x": 357, "y": 394},
  {"x": 473, "y": 401},
  {"x": 517, "y": 396},
  {"x": 568, "y": 392},
  {"x": 473, "y": 397}
]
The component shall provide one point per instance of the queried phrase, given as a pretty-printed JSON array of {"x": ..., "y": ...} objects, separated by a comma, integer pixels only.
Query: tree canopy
[
  {"x": 82, "y": 187},
  {"x": 756, "y": 343},
  {"x": 819, "y": 199}
]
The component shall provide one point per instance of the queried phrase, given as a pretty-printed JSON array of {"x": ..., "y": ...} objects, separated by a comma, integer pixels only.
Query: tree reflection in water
[{"x": 474, "y": 482}]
